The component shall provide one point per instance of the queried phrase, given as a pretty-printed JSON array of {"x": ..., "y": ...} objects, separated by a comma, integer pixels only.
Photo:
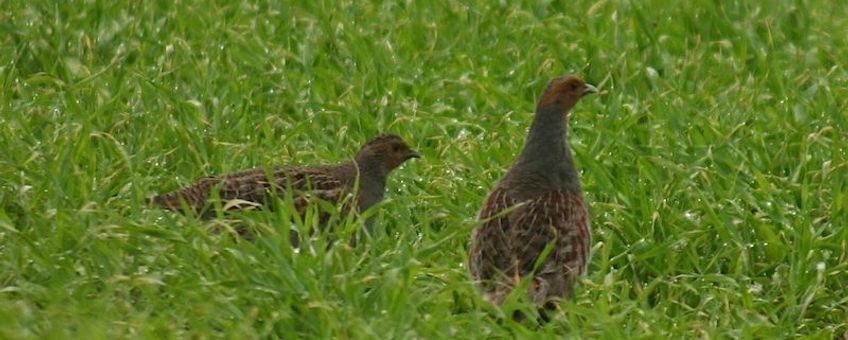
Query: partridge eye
[{"x": 396, "y": 148}]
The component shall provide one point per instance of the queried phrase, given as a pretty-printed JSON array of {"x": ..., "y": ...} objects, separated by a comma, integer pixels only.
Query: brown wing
[
  {"x": 332, "y": 196},
  {"x": 255, "y": 185},
  {"x": 558, "y": 218},
  {"x": 489, "y": 257},
  {"x": 251, "y": 188},
  {"x": 192, "y": 197}
]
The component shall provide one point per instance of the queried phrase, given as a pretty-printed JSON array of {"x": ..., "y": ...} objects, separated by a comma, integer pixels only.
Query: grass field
[{"x": 715, "y": 163}]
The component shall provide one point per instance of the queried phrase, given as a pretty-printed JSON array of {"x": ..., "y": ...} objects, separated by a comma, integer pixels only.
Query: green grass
[{"x": 714, "y": 163}]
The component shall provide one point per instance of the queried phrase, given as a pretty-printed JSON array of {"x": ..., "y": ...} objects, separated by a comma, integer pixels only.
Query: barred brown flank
[
  {"x": 250, "y": 189},
  {"x": 537, "y": 204}
]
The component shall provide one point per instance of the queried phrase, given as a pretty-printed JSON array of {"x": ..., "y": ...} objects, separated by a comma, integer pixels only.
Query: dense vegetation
[{"x": 714, "y": 163}]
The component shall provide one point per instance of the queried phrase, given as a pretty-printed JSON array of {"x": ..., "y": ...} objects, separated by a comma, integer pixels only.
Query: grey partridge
[
  {"x": 534, "y": 223},
  {"x": 365, "y": 175}
]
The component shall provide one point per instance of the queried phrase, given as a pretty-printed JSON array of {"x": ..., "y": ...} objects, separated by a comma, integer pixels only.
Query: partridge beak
[
  {"x": 590, "y": 89},
  {"x": 412, "y": 154}
]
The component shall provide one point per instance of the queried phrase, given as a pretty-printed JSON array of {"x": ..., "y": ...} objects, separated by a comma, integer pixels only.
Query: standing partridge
[
  {"x": 534, "y": 223},
  {"x": 365, "y": 175}
]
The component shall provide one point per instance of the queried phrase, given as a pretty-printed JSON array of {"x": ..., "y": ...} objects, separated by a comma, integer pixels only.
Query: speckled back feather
[{"x": 252, "y": 188}]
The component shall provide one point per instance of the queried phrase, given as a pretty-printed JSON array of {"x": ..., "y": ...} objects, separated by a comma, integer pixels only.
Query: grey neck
[
  {"x": 372, "y": 180},
  {"x": 545, "y": 163}
]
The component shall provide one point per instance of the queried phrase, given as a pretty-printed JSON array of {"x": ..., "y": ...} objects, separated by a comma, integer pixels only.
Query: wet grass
[{"x": 714, "y": 162}]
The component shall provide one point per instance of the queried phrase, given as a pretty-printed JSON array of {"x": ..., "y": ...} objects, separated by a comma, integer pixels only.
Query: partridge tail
[
  {"x": 169, "y": 201},
  {"x": 193, "y": 197}
]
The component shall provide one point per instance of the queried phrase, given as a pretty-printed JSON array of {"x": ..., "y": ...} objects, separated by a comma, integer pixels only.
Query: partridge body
[
  {"x": 365, "y": 175},
  {"x": 537, "y": 205}
]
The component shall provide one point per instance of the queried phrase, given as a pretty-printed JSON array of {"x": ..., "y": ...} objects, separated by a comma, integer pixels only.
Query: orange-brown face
[
  {"x": 396, "y": 153},
  {"x": 565, "y": 91},
  {"x": 392, "y": 151}
]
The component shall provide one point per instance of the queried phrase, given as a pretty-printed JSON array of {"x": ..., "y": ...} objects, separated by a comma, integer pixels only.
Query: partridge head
[
  {"x": 386, "y": 153},
  {"x": 563, "y": 93}
]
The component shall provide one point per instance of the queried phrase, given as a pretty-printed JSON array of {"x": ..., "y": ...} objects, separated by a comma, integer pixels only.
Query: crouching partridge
[{"x": 365, "y": 176}]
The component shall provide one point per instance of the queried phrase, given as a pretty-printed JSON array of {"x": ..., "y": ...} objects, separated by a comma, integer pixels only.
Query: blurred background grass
[{"x": 714, "y": 162}]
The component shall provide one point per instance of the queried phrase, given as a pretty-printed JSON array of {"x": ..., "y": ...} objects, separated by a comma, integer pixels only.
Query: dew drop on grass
[
  {"x": 690, "y": 216},
  {"x": 755, "y": 289},
  {"x": 651, "y": 73},
  {"x": 608, "y": 279},
  {"x": 679, "y": 245}
]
